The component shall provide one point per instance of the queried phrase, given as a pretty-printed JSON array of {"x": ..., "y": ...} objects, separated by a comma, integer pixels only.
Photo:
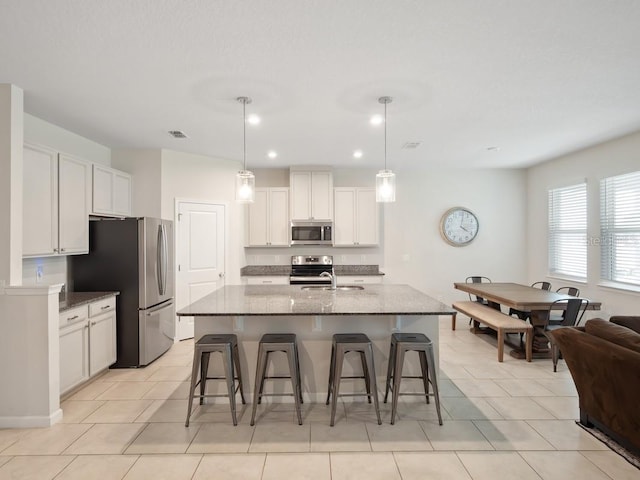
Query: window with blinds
[
  {"x": 568, "y": 231},
  {"x": 620, "y": 228}
]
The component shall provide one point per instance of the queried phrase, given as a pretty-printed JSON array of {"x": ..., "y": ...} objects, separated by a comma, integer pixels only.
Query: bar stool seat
[
  {"x": 351, "y": 342},
  {"x": 277, "y": 342},
  {"x": 401, "y": 343},
  {"x": 227, "y": 345}
]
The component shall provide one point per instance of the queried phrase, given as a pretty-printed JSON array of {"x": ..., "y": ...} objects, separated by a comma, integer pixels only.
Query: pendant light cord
[
  {"x": 385, "y": 135},
  {"x": 244, "y": 135}
]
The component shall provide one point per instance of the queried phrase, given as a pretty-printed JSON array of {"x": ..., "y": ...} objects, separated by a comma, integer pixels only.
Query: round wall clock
[{"x": 459, "y": 226}]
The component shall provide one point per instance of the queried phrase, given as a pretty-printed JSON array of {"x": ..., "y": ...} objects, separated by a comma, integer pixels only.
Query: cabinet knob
[
  {"x": 62, "y": 249},
  {"x": 93, "y": 324}
]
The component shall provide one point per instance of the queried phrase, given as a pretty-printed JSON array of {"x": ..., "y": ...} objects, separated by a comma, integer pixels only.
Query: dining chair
[
  {"x": 558, "y": 319},
  {"x": 574, "y": 309},
  {"x": 477, "y": 279},
  {"x": 525, "y": 315}
]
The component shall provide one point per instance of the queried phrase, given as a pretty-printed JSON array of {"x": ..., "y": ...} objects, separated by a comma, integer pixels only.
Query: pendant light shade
[
  {"x": 245, "y": 180},
  {"x": 385, "y": 179}
]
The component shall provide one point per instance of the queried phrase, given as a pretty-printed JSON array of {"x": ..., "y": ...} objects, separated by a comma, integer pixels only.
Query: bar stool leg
[
  {"x": 260, "y": 369},
  {"x": 236, "y": 360},
  {"x": 397, "y": 379},
  {"x": 337, "y": 373},
  {"x": 425, "y": 372},
  {"x": 263, "y": 374},
  {"x": 365, "y": 374},
  {"x": 204, "y": 371},
  {"x": 434, "y": 381},
  {"x": 390, "y": 367},
  {"x": 297, "y": 359},
  {"x": 293, "y": 371},
  {"x": 194, "y": 375},
  {"x": 372, "y": 380},
  {"x": 332, "y": 367},
  {"x": 227, "y": 362}
]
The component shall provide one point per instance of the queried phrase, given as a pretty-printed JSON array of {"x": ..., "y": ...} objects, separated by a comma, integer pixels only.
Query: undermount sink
[{"x": 324, "y": 287}]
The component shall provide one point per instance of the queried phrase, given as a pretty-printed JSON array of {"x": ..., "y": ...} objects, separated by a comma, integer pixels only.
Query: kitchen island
[{"x": 314, "y": 315}]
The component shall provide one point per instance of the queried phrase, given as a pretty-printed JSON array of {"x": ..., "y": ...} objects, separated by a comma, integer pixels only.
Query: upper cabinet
[
  {"x": 111, "y": 192},
  {"x": 269, "y": 218},
  {"x": 356, "y": 217},
  {"x": 311, "y": 194},
  {"x": 55, "y": 203}
]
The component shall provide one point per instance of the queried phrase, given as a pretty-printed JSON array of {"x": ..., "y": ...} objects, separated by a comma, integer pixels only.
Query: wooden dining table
[{"x": 526, "y": 299}]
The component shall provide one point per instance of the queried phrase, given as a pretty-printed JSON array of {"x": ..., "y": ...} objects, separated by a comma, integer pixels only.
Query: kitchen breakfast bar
[{"x": 314, "y": 315}]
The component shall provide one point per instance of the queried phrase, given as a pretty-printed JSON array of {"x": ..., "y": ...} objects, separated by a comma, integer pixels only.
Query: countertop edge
[{"x": 76, "y": 299}]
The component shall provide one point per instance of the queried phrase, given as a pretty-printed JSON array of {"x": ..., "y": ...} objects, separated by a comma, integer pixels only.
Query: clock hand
[{"x": 464, "y": 228}]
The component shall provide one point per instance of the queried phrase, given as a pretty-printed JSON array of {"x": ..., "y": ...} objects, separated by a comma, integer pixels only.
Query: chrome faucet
[{"x": 332, "y": 277}]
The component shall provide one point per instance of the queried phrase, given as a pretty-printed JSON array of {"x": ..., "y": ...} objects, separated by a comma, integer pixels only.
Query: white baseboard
[{"x": 31, "y": 421}]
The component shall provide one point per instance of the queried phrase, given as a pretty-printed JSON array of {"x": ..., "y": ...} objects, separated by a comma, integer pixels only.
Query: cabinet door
[
  {"x": 102, "y": 190},
  {"x": 267, "y": 280},
  {"x": 279, "y": 217},
  {"x": 344, "y": 220},
  {"x": 321, "y": 195},
  {"x": 40, "y": 202},
  {"x": 259, "y": 218},
  {"x": 73, "y": 202},
  {"x": 74, "y": 355},
  {"x": 121, "y": 194},
  {"x": 366, "y": 217},
  {"x": 300, "y": 184},
  {"x": 102, "y": 341}
]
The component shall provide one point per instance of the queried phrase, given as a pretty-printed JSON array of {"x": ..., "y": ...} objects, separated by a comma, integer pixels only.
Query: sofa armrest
[{"x": 628, "y": 321}]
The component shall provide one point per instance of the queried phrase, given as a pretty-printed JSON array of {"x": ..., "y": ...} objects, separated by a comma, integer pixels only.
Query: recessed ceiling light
[
  {"x": 377, "y": 120},
  {"x": 493, "y": 149},
  {"x": 272, "y": 154},
  {"x": 177, "y": 134},
  {"x": 357, "y": 154},
  {"x": 253, "y": 119},
  {"x": 411, "y": 145}
]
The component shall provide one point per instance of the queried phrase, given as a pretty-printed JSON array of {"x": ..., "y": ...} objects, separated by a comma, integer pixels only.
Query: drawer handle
[
  {"x": 105, "y": 307},
  {"x": 73, "y": 318},
  {"x": 267, "y": 281}
]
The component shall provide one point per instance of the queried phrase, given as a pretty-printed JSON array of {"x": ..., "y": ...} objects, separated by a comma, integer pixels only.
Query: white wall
[
  {"x": 414, "y": 252},
  {"x": 45, "y": 133},
  {"x": 607, "y": 159},
  {"x": 196, "y": 177},
  {"x": 145, "y": 167}
]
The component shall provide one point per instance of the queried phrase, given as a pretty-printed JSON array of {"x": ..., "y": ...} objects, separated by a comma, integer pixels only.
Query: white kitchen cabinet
[
  {"x": 87, "y": 342},
  {"x": 266, "y": 280},
  {"x": 356, "y": 217},
  {"x": 269, "y": 218},
  {"x": 311, "y": 194},
  {"x": 359, "y": 280},
  {"x": 111, "y": 192},
  {"x": 55, "y": 203}
]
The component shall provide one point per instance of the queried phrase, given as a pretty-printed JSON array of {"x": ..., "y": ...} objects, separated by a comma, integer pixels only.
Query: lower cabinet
[
  {"x": 87, "y": 342},
  {"x": 359, "y": 280}
]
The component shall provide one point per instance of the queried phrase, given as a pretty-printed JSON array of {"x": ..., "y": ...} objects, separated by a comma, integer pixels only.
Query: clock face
[{"x": 459, "y": 226}]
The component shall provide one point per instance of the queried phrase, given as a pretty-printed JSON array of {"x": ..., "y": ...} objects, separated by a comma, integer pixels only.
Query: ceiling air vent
[
  {"x": 177, "y": 134},
  {"x": 411, "y": 145}
]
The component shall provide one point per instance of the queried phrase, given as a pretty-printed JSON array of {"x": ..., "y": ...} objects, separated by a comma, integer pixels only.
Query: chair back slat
[{"x": 573, "y": 311}]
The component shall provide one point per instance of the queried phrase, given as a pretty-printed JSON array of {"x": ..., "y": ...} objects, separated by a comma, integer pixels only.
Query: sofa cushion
[
  {"x": 627, "y": 321},
  {"x": 614, "y": 333}
]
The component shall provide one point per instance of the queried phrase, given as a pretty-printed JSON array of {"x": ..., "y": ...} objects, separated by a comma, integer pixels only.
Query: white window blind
[
  {"x": 568, "y": 231},
  {"x": 620, "y": 228}
]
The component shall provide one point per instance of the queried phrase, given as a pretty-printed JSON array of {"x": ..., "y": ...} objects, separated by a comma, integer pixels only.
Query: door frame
[{"x": 176, "y": 242}]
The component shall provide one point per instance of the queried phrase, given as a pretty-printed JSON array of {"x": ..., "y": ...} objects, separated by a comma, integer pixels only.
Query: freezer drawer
[{"x": 156, "y": 331}]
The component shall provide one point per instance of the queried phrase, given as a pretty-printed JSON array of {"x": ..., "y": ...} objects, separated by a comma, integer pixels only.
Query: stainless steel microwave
[{"x": 312, "y": 233}]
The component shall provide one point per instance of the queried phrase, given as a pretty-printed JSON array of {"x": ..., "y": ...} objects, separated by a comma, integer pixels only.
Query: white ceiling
[{"x": 536, "y": 78}]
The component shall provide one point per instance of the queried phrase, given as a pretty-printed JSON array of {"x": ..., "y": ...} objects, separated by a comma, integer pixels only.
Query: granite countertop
[
  {"x": 70, "y": 300},
  {"x": 285, "y": 270},
  {"x": 268, "y": 300}
]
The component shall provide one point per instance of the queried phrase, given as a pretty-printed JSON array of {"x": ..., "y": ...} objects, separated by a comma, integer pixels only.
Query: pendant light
[
  {"x": 245, "y": 180},
  {"x": 385, "y": 179}
]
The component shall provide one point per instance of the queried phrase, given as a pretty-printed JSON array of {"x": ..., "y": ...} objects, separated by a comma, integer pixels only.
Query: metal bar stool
[
  {"x": 402, "y": 343},
  {"x": 277, "y": 342},
  {"x": 227, "y": 345},
  {"x": 351, "y": 342}
]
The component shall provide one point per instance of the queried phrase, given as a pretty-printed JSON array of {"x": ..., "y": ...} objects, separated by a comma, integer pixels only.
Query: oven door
[{"x": 309, "y": 280}]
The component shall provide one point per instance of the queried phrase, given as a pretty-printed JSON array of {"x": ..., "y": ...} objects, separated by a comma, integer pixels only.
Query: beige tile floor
[{"x": 509, "y": 420}]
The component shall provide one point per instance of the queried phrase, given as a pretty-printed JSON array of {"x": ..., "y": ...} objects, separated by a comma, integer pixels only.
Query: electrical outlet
[{"x": 39, "y": 274}]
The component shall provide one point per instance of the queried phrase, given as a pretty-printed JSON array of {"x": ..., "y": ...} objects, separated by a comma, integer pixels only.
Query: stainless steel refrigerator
[{"x": 135, "y": 257}]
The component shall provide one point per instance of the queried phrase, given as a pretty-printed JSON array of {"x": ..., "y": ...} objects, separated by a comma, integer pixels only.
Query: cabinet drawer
[
  {"x": 74, "y": 315},
  {"x": 354, "y": 280},
  {"x": 268, "y": 280},
  {"x": 102, "y": 306}
]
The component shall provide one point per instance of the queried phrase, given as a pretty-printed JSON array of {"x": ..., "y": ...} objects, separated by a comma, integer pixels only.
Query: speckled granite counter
[
  {"x": 70, "y": 300},
  {"x": 241, "y": 300},
  {"x": 285, "y": 270}
]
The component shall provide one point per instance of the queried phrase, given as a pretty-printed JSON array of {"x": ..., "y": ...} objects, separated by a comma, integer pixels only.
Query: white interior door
[{"x": 200, "y": 254}]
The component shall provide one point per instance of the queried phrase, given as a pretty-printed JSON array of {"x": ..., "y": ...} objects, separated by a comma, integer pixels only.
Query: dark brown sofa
[{"x": 604, "y": 360}]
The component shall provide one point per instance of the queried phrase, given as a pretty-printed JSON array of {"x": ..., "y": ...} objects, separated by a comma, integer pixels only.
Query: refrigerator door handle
[
  {"x": 160, "y": 256},
  {"x": 165, "y": 259}
]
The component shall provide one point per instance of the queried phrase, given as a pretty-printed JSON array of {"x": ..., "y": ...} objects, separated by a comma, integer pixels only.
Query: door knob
[{"x": 221, "y": 274}]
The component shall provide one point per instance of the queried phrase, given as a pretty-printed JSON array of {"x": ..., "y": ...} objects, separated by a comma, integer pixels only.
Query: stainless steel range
[{"x": 307, "y": 269}]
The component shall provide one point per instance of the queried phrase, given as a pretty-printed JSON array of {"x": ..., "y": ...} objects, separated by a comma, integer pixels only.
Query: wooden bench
[{"x": 499, "y": 322}]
